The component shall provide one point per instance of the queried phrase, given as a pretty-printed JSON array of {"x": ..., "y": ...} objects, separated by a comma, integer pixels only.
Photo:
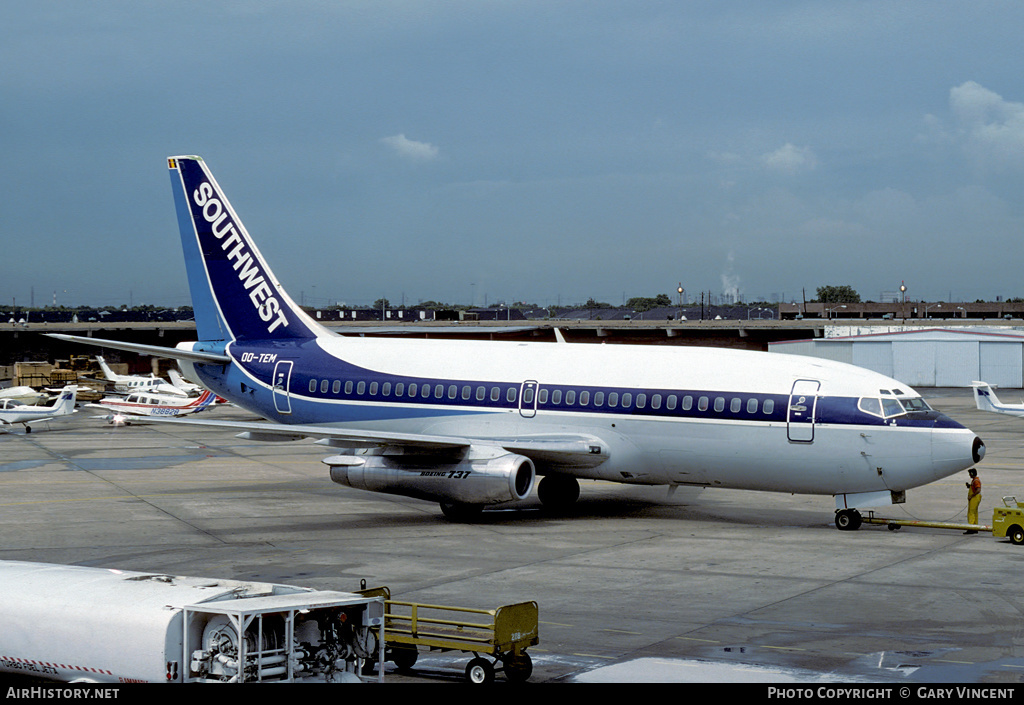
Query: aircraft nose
[{"x": 978, "y": 449}]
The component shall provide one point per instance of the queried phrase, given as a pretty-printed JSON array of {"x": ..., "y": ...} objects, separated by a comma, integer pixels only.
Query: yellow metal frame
[{"x": 507, "y": 629}]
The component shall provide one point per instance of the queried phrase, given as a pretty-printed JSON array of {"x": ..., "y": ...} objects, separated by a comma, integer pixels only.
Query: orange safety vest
[{"x": 975, "y": 488}]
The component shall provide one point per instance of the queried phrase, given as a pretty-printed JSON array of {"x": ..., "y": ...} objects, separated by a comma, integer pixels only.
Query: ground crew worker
[{"x": 973, "y": 499}]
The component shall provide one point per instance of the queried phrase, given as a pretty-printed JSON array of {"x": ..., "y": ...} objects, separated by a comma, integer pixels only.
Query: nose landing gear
[{"x": 848, "y": 519}]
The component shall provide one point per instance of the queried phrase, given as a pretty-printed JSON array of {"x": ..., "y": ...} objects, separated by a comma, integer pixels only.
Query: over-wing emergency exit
[{"x": 471, "y": 424}]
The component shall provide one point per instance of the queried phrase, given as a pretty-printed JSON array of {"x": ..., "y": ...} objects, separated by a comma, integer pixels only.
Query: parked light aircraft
[
  {"x": 985, "y": 399},
  {"x": 471, "y": 424},
  {"x": 23, "y": 395},
  {"x": 133, "y": 383},
  {"x": 121, "y": 409},
  {"x": 11, "y": 412},
  {"x": 182, "y": 385}
]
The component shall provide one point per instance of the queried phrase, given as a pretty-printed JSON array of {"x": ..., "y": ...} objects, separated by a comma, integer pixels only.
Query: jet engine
[{"x": 481, "y": 481}]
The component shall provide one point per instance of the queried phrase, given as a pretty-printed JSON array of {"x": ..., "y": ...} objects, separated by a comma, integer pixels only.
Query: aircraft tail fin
[
  {"x": 107, "y": 372},
  {"x": 984, "y": 396},
  {"x": 203, "y": 400},
  {"x": 65, "y": 403},
  {"x": 234, "y": 293}
]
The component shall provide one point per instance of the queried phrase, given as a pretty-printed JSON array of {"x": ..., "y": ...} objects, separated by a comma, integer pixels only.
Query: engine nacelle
[{"x": 484, "y": 481}]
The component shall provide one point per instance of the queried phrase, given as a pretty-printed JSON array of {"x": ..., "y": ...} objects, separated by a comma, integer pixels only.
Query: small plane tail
[
  {"x": 234, "y": 293},
  {"x": 984, "y": 396},
  {"x": 65, "y": 403},
  {"x": 107, "y": 372},
  {"x": 203, "y": 400}
]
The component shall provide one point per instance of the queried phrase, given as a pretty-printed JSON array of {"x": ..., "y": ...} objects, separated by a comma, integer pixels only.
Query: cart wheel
[
  {"x": 518, "y": 669},
  {"x": 480, "y": 670},
  {"x": 404, "y": 658},
  {"x": 1016, "y": 535}
]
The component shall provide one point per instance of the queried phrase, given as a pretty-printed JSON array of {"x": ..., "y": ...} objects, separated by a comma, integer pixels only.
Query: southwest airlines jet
[{"x": 473, "y": 424}]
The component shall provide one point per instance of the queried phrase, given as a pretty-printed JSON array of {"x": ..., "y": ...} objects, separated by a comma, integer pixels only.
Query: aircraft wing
[
  {"x": 568, "y": 450},
  {"x": 154, "y": 350}
]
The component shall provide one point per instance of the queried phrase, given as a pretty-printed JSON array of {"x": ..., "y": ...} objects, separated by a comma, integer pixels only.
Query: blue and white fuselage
[{"x": 469, "y": 423}]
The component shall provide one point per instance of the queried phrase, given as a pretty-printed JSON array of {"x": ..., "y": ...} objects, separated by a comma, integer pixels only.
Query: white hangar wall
[{"x": 932, "y": 357}]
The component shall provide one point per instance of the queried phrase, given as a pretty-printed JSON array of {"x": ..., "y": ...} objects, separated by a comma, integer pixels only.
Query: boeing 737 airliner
[{"x": 471, "y": 424}]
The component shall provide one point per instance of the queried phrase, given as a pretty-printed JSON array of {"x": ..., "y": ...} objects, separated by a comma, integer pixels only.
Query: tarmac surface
[{"x": 634, "y": 586}]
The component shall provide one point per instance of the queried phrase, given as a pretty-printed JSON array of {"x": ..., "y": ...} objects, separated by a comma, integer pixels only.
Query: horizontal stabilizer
[{"x": 154, "y": 350}]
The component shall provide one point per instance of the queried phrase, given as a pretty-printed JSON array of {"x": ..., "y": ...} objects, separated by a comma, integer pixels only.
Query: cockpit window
[
  {"x": 891, "y": 407},
  {"x": 870, "y": 405},
  {"x": 915, "y": 404},
  {"x": 888, "y": 407}
]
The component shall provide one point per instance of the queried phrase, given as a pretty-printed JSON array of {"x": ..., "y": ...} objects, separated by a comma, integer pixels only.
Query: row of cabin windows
[{"x": 556, "y": 396}]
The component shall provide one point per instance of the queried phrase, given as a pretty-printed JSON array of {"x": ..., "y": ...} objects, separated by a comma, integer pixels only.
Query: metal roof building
[{"x": 930, "y": 357}]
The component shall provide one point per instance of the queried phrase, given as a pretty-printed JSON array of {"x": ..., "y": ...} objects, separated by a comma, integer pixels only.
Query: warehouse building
[{"x": 930, "y": 357}]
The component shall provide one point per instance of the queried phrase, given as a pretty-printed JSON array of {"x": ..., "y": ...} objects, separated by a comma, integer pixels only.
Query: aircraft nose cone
[{"x": 978, "y": 449}]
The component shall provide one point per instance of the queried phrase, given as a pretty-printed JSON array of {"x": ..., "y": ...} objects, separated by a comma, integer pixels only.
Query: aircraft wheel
[
  {"x": 848, "y": 520},
  {"x": 1016, "y": 535},
  {"x": 461, "y": 512},
  {"x": 558, "y": 492},
  {"x": 480, "y": 670},
  {"x": 518, "y": 669}
]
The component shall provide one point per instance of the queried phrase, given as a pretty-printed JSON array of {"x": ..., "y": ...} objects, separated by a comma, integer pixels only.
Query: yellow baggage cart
[{"x": 497, "y": 638}]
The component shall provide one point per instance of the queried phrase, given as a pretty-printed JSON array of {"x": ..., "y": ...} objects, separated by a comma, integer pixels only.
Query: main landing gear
[
  {"x": 848, "y": 519},
  {"x": 558, "y": 492}
]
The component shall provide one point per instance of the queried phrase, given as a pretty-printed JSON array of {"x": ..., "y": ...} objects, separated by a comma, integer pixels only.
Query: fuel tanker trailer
[{"x": 82, "y": 624}]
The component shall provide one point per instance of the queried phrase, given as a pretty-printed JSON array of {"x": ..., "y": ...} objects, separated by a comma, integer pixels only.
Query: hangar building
[{"x": 930, "y": 357}]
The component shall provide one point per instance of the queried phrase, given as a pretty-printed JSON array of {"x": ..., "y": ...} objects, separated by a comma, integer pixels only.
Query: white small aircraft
[
  {"x": 137, "y": 383},
  {"x": 23, "y": 395},
  {"x": 11, "y": 412},
  {"x": 985, "y": 398},
  {"x": 123, "y": 409},
  {"x": 183, "y": 385},
  {"x": 472, "y": 424}
]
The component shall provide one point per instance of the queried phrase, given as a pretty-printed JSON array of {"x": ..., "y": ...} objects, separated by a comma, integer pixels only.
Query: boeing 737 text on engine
[{"x": 472, "y": 424}]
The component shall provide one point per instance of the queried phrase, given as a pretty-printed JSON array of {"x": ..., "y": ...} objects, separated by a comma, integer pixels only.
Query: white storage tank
[{"x": 72, "y": 623}]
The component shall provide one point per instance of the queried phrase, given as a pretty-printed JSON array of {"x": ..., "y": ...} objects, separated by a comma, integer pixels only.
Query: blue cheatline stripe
[{"x": 354, "y": 392}]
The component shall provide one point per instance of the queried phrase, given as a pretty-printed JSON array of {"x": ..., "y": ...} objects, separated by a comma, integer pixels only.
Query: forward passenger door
[{"x": 803, "y": 401}]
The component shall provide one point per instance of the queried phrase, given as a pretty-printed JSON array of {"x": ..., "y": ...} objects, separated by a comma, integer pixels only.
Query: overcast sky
[{"x": 483, "y": 151}]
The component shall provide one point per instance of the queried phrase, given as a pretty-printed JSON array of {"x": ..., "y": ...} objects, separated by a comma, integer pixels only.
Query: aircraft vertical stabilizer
[{"x": 234, "y": 293}]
